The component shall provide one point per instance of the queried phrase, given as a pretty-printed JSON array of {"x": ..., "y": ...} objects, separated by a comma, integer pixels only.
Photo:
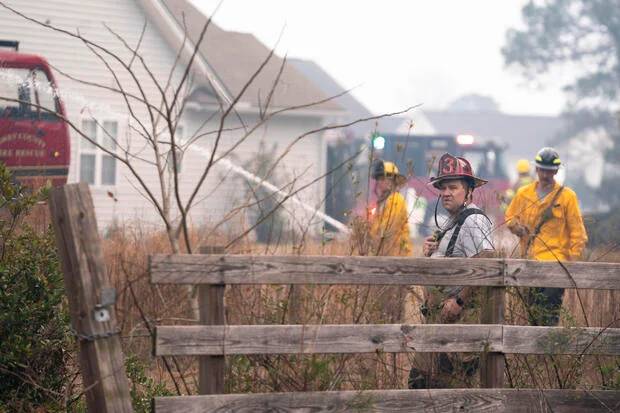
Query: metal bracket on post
[
  {"x": 107, "y": 299},
  {"x": 101, "y": 314},
  {"x": 91, "y": 301}
]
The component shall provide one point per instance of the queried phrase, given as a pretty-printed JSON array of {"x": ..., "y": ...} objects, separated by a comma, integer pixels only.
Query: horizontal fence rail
[
  {"x": 490, "y": 338},
  {"x": 492, "y": 272},
  {"x": 389, "y": 338},
  {"x": 405, "y": 401}
]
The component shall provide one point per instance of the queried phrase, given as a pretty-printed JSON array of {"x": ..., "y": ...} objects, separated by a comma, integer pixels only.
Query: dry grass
[{"x": 142, "y": 305}]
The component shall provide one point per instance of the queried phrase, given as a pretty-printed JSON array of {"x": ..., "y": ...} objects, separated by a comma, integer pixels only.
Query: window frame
[
  {"x": 85, "y": 148},
  {"x": 40, "y": 91}
]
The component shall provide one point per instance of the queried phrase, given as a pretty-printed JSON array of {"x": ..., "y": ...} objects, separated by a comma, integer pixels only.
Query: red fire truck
[{"x": 34, "y": 139}]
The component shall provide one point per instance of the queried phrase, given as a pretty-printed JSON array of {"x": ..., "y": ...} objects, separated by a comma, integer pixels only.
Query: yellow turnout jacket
[
  {"x": 562, "y": 237},
  {"x": 390, "y": 227}
]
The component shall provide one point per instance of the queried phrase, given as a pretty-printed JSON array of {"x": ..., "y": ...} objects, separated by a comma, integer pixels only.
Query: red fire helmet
[{"x": 455, "y": 167}]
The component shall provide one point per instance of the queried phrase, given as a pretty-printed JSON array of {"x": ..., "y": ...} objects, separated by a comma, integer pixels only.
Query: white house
[{"x": 166, "y": 32}]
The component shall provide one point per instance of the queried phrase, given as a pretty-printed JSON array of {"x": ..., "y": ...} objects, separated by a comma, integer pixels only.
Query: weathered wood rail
[
  {"x": 399, "y": 401},
  {"x": 492, "y": 338},
  {"x": 492, "y": 272},
  {"x": 387, "y": 338},
  {"x": 91, "y": 301}
]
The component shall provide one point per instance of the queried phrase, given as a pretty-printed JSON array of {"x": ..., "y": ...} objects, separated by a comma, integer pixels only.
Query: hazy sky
[{"x": 399, "y": 52}]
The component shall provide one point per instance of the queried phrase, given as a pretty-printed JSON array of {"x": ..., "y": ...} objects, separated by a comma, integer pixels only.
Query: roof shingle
[{"x": 235, "y": 57}]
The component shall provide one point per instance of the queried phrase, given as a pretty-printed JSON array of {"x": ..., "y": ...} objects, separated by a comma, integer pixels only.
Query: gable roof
[
  {"x": 235, "y": 57},
  {"x": 330, "y": 87},
  {"x": 356, "y": 110}
]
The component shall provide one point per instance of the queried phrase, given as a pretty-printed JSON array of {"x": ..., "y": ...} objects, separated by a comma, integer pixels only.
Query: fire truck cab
[{"x": 34, "y": 139}]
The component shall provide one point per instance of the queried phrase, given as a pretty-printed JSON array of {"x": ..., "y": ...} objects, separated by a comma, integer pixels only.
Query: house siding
[
  {"x": 303, "y": 163},
  {"x": 72, "y": 57}
]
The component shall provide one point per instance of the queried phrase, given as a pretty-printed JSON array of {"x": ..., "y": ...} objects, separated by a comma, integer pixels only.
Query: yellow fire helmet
[
  {"x": 388, "y": 169},
  {"x": 523, "y": 166}
]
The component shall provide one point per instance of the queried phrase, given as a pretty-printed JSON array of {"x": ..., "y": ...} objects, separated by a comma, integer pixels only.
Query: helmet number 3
[{"x": 448, "y": 166}]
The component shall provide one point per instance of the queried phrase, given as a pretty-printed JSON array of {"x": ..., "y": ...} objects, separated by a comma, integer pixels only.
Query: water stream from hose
[{"x": 229, "y": 165}]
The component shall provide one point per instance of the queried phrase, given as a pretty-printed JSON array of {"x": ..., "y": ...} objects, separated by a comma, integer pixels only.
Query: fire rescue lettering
[
  {"x": 25, "y": 137},
  {"x": 22, "y": 153}
]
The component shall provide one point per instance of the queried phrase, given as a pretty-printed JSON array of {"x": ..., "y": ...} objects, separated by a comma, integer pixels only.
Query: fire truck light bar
[{"x": 465, "y": 139}]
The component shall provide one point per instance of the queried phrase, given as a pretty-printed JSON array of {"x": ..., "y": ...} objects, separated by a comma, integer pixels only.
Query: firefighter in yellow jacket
[
  {"x": 546, "y": 218},
  {"x": 389, "y": 228},
  {"x": 389, "y": 233}
]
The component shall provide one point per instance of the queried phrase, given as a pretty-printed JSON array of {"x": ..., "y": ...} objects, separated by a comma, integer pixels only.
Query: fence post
[
  {"x": 492, "y": 312},
  {"x": 91, "y": 299},
  {"x": 211, "y": 369}
]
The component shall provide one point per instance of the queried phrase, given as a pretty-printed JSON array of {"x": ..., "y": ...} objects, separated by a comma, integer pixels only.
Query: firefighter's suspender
[
  {"x": 457, "y": 228},
  {"x": 546, "y": 216}
]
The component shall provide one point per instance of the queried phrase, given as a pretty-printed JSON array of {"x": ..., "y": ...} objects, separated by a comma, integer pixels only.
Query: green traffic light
[{"x": 378, "y": 142}]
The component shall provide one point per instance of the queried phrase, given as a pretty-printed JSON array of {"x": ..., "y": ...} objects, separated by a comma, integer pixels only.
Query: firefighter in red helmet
[
  {"x": 456, "y": 183},
  {"x": 466, "y": 233}
]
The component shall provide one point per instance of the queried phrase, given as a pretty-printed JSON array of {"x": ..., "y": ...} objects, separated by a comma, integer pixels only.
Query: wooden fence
[
  {"x": 491, "y": 337},
  {"x": 92, "y": 310}
]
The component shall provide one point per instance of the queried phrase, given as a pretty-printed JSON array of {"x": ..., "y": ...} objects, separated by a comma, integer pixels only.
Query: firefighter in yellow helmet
[
  {"x": 546, "y": 217},
  {"x": 523, "y": 166},
  {"x": 389, "y": 228},
  {"x": 523, "y": 178},
  {"x": 389, "y": 233}
]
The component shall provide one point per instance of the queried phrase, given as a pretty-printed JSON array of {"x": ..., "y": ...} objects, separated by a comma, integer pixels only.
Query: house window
[{"x": 96, "y": 166}]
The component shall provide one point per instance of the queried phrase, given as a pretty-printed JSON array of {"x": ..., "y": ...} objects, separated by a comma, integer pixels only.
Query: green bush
[
  {"x": 38, "y": 353},
  {"x": 143, "y": 387},
  {"x": 34, "y": 325},
  {"x": 34, "y": 322}
]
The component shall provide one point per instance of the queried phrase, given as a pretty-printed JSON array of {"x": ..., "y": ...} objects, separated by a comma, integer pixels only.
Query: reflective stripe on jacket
[{"x": 562, "y": 237}]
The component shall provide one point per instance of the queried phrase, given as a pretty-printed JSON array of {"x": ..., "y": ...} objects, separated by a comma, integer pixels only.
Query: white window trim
[{"x": 99, "y": 153}]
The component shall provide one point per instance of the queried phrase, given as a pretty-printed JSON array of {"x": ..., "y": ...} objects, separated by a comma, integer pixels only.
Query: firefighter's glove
[
  {"x": 519, "y": 230},
  {"x": 451, "y": 310},
  {"x": 430, "y": 246},
  {"x": 424, "y": 310}
]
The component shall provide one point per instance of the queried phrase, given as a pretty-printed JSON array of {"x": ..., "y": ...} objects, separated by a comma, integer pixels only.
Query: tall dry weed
[{"x": 142, "y": 305}]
